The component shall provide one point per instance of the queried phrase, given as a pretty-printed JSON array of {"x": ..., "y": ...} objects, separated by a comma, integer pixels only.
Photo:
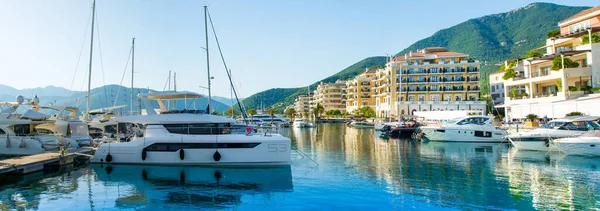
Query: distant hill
[
  {"x": 498, "y": 37},
  {"x": 225, "y": 100},
  {"x": 282, "y": 97},
  {"x": 490, "y": 39},
  {"x": 101, "y": 97}
]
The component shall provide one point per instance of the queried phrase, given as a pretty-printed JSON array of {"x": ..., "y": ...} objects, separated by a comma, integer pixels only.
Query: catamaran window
[
  {"x": 473, "y": 120},
  {"x": 172, "y": 147},
  {"x": 2, "y": 132},
  {"x": 199, "y": 128}
]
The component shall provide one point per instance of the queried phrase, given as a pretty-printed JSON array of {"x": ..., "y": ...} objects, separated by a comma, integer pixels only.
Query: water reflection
[
  {"x": 553, "y": 180},
  {"x": 200, "y": 187},
  {"x": 336, "y": 168}
]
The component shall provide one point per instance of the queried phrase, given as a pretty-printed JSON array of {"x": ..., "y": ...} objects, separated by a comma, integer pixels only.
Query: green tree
[
  {"x": 290, "y": 113},
  {"x": 559, "y": 85},
  {"x": 272, "y": 112},
  {"x": 230, "y": 112},
  {"x": 510, "y": 73},
  {"x": 252, "y": 112},
  {"x": 305, "y": 115},
  {"x": 318, "y": 110},
  {"x": 557, "y": 63},
  {"x": 553, "y": 33},
  {"x": 585, "y": 39},
  {"x": 513, "y": 92},
  {"x": 364, "y": 112},
  {"x": 337, "y": 113},
  {"x": 575, "y": 113},
  {"x": 532, "y": 54},
  {"x": 214, "y": 112},
  {"x": 532, "y": 117}
]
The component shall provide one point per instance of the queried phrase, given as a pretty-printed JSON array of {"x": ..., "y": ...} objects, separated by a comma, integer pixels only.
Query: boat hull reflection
[{"x": 200, "y": 186}]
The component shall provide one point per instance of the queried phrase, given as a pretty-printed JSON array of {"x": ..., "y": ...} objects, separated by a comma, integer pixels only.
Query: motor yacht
[
  {"x": 540, "y": 138},
  {"x": 588, "y": 144},
  {"x": 192, "y": 137},
  {"x": 362, "y": 124},
  {"x": 29, "y": 133},
  {"x": 465, "y": 129},
  {"x": 299, "y": 123}
]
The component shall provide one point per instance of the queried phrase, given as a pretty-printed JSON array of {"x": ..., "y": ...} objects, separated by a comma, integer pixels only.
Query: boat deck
[{"x": 33, "y": 163}]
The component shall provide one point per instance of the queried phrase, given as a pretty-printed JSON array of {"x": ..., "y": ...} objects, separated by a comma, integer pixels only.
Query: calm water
[{"x": 353, "y": 169}]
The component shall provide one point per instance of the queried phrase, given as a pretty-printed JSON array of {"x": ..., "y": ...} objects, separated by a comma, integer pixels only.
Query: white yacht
[
  {"x": 64, "y": 123},
  {"x": 299, "y": 123},
  {"x": 29, "y": 133},
  {"x": 541, "y": 139},
  {"x": 191, "y": 137},
  {"x": 587, "y": 144},
  {"x": 465, "y": 129}
]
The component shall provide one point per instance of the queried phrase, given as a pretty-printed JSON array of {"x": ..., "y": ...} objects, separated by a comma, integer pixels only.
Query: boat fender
[
  {"x": 181, "y": 154},
  {"x": 182, "y": 177},
  {"x": 218, "y": 175},
  {"x": 22, "y": 144},
  {"x": 108, "y": 170},
  {"x": 144, "y": 174},
  {"x": 108, "y": 158},
  {"x": 217, "y": 156},
  {"x": 144, "y": 154}
]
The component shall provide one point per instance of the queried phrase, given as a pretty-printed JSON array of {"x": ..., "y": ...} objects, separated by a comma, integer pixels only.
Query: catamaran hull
[{"x": 231, "y": 150}]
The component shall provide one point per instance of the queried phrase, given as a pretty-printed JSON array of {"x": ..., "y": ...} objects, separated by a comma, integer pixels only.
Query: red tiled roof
[{"x": 580, "y": 14}]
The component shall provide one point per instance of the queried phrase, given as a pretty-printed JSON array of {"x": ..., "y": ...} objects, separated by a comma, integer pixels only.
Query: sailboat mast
[
  {"x": 87, "y": 111},
  {"x": 132, "y": 67},
  {"x": 207, "y": 56}
]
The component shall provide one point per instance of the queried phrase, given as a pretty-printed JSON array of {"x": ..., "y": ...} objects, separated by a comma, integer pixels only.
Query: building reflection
[{"x": 552, "y": 180}]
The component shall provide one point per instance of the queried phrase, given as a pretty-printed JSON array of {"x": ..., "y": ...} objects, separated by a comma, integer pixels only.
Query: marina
[
  {"x": 394, "y": 173},
  {"x": 456, "y": 121}
]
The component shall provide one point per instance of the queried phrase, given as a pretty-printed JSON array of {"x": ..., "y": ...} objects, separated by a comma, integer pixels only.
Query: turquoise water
[{"x": 353, "y": 169}]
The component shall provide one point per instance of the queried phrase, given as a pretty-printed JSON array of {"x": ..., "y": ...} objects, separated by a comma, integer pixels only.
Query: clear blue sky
[{"x": 267, "y": 44}]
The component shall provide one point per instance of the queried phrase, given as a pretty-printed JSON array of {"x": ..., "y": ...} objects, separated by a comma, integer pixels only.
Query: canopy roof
[{"x": 169, "y": 95}]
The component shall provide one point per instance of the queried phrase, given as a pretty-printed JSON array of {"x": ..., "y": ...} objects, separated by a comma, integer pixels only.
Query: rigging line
[
  {"x": 101, "y": 63},
  {"x": 226, "y": 69},
  {"x": 80, "y": 52},
  {"x": 165, "y": 87},
  {"x": 123, "y": 77}
]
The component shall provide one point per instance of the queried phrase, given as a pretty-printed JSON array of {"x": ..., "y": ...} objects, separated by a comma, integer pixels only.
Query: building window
[
  {"x": 457, "y": 98},
  {"x": 421, "y": 97},
  {"x": 434, "y": 98},
  {"x": 411, "y": 98}
]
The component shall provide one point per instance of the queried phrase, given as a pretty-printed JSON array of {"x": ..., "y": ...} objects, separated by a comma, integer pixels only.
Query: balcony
[{"x": 551, "y": 76}]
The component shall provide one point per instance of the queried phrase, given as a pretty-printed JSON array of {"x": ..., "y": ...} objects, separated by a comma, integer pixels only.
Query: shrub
[
  {"x": 532, "y": 117},
  {"x": 553, "y": 33},
  {"x": 557, "y": 63},
  {"x": 573, "y": 89},
  {"x": 575, "y": 113},
  {"x": 559, "y": 85},
  {"x": 532, "y": 54},
  {"x": 585, "y": 39},
  {"x": 510, "y": 73}
]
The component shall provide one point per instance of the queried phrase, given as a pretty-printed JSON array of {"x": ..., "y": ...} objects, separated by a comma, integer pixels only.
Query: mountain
[
  {"x": 225, "y": 100},
  {"x": 490, "y": 39},
  {"x": 498, "y": 37},
  {"x": 101, "y": 97},
  {"x": 282, "y": 97}
]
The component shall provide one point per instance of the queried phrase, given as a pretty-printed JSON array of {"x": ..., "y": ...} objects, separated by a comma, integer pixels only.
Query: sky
[{"x": 266, "y": 43}]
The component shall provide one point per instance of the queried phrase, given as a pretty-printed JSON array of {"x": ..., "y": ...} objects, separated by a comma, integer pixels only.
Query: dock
[{"x": 33, "y": 163}]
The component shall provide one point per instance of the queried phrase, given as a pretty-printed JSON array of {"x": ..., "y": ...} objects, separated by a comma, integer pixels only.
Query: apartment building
[
  {"x": 359, "y": 90},
  {"x": 302, "y": 104},
  {"x": 332, "y": 96},
  {"x": 560, "y": 81},
  {"x": 430, "y": 79},
  {"x": 497, "y": 82}
]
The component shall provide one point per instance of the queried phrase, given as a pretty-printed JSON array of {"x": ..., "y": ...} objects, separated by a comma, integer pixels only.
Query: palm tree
[
  {"x": 251, "y": 112},
  {"x": 271, "y": 112},
  {"x": 318, "y": 110},
  {"x": 291, "y": 113}
]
